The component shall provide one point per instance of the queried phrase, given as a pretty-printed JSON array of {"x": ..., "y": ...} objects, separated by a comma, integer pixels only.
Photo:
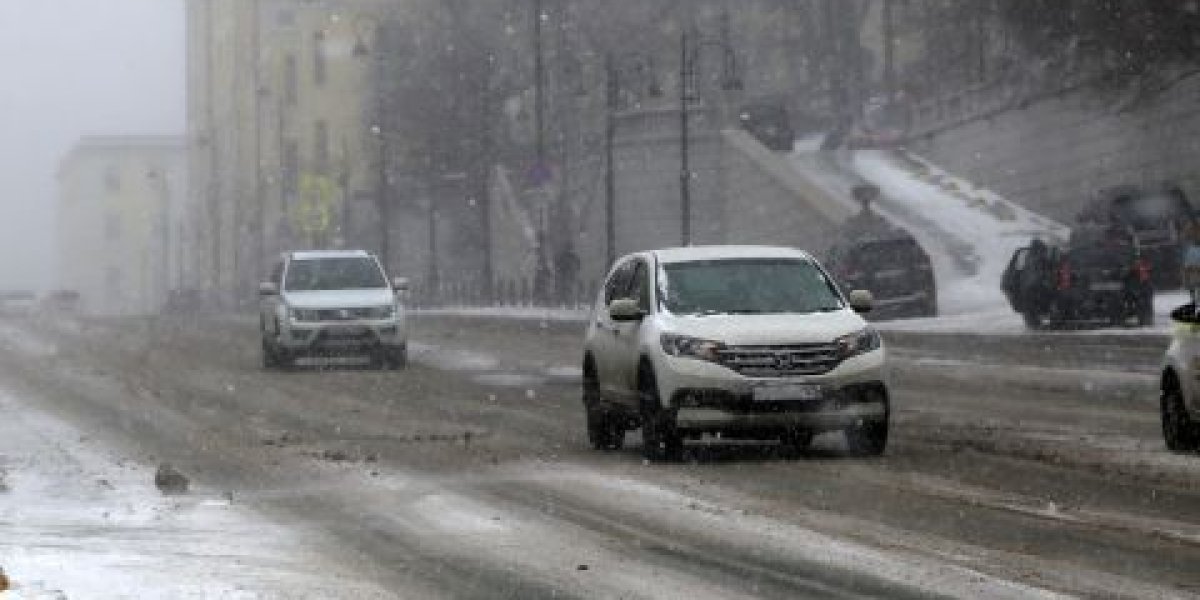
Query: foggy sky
[{"x": 72, "y": 68}]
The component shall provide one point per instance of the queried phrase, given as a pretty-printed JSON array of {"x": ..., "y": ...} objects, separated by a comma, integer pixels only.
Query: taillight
[
  {"x": 1142, "y": 268},
  {"x": 1064, "y": 276}
]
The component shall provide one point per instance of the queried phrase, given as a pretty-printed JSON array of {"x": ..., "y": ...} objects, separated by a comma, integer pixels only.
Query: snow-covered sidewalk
[{"x": 81, "y": 521}]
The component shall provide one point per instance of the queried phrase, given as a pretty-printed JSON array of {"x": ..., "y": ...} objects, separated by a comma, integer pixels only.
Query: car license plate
[
  {"x": 1105, "y": 286},
  {"x": 794, "y": 391},
  {"x": 342, "y": 333}
]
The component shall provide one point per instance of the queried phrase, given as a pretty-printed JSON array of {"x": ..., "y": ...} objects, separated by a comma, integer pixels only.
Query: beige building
[
  {"x": 122, "y": 226},
  {"x": 281, "y": 145}
]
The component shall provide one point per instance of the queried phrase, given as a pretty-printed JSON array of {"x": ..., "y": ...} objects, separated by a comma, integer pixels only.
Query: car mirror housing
[
  {"x": 268, "y": 288},
  {"x": 862, "y": 301},
  {"x": 625, "y": 309}
]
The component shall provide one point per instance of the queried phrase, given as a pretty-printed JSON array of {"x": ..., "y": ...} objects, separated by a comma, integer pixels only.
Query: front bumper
[
  {"x": 711, "y": 410},
  {"x": 706, "y": 397},
  {"x": 342, "y": 337}
]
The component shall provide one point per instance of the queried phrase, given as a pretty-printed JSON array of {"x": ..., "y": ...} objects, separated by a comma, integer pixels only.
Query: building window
[
  {"x": 321, "y": 147},
  {"x": 112, "y": 179},
  {"x": 319, "y": 58},
  {"x": 112, "y": 227},
  {"x": 291, "y": 84}
]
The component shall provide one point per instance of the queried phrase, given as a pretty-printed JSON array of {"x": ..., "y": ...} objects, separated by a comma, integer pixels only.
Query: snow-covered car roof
[{"x": 692, "y": 253}]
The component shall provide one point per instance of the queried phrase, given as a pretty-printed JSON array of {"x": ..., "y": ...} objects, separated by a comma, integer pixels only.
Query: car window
[
  {"x": 639, "y": 285},
  {"x": 747, "y": 286},
  {"x": 334, "y": 274},
  {"x": 618, "y": 283}
]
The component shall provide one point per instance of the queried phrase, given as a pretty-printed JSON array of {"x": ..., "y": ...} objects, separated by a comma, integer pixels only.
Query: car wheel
[
  {"x": 1179, "y": 430},
  {"x": 275, "y": 358},
  {"x": 797, "y": 440},
  {"x": 270, "y": 357},
  {"x": 1033, "y": 321},
  {"x": 397, "y": 358},
  {"x": 660, "y": 439},
  {"x": 605, "y": 431},
  {"x": 869, "y": 437}
]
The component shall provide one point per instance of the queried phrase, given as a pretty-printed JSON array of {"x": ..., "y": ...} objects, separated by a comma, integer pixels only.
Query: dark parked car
[
  {"x": 1100, "y": 276},
  {"x": 1158, "y": 218},
  {"x": 891, "y": 265},
  {"x": 769, "y": 122}
]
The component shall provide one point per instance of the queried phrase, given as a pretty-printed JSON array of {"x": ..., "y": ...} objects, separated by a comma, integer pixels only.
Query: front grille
[
  {"x": 780, "y": 361},
  {"x": 343, "y": 314}
]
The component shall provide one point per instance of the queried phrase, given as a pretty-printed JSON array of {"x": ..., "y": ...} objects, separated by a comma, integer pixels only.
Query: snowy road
[{"x": 468, "y": 476}]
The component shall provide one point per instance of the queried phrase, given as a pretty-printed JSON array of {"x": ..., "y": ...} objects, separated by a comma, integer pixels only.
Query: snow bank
[{"x": 80, "y": 521}]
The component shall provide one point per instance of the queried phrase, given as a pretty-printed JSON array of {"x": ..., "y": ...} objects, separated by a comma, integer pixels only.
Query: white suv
[
  {"x": 333, "y": 302},
  {"x": 747, "y": 342},
  {"x": 1179, "y": 404}
]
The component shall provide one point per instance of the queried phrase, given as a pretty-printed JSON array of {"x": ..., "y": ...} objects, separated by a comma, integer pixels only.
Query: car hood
[
  {"x": 736, "y": 330},
  {"x": 339, "y": 298}
]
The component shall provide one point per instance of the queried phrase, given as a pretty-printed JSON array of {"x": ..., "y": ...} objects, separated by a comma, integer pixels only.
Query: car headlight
[
  {"x": 690, "y": 347},
  {"x": 859, "y": 342},
  {"x": 305, "y": 314},
  {"x": 381, "y": 312}
]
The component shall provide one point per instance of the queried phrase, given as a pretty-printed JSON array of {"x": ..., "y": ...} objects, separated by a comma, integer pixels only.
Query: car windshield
[
  {"x": 887, "y": 254},
  {"x": 334, "y": 274},
  {"x": 746, "y": 286}
]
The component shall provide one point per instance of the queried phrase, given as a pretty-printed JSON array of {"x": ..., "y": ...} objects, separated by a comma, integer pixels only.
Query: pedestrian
[{"x": 865, "y": 194}]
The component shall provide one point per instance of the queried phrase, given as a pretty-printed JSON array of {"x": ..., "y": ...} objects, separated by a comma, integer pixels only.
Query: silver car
[{"x": 332, "y": 303}]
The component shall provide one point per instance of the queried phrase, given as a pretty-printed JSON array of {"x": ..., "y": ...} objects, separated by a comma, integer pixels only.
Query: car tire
[
  {"x": 869, "y": 437},
  {"x": 275, "y": 358},
  {"x": 605, "y": 430},
  {"x": 1180, "y": 432},
  {"x": 1033, "y": 321},
  {"x": 394, "y": 358},
  {"x": 796, "y": 440},
  {"x": 270, "y": 360},
  {"x": 661, "y": 441}
]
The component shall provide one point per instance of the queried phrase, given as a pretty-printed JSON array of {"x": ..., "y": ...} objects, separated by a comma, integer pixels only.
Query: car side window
[
  {"x": 618, "y": 283},
  {"x": 639, "y": 285}
]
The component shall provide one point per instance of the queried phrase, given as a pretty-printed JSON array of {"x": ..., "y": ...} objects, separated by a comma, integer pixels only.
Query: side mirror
[
  {"x": 625, "y": 310},
  {"x": 400, "y": 284},
  {"x": 861, "y": 301},
  {"x": 268, "y": 288}
]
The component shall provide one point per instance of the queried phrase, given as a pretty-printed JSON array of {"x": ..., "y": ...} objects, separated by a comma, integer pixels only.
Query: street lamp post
[
  {"x": 612, "y": 70},
  {"x": 690, "y": 48},
  {"x": 612, "y": 90}
]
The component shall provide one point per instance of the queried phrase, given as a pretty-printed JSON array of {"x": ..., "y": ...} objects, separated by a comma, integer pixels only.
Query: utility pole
[
  {"x": 838, "y": 98},
  {"x": 539, "y": 82},
  {"x": 889, "y": 49},
  {"x": 212, "y": 185},
  {"x": 685, "y": 171},
  {"x": 259, "y": 210},
  {"x": 612, "y": 91},
  {"x": 541, "y": 278}
]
